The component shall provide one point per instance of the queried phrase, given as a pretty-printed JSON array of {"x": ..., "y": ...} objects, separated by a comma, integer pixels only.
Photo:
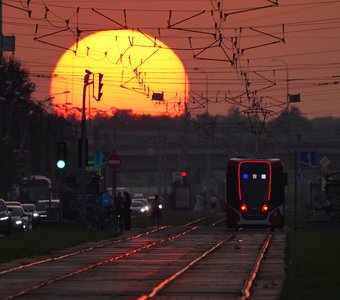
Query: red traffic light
[{"x": 184, "y": 174}]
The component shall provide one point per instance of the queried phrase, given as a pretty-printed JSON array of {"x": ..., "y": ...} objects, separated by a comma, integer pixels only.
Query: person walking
[
  {"x": 156, "y": 212},
  {"x": 126, "y": 211},
  {"x": 119, "y": 204}
]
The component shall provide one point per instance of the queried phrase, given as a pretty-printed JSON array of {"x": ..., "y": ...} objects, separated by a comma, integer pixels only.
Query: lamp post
[{"x": 287, "y": 78}]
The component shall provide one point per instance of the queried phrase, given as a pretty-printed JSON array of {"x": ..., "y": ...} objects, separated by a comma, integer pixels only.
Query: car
[
  {"x": 138, "y": 196},
  {"x": 20, "y": 221},
  {"x": 146, "y": 203},
  {"x": 43, "y": 207},
  {"x": 137, "y": 207},
  {"x": 17, "y": 203},
  {"x": 5, "y": 219},
  {"x": 31, "y": 211}
]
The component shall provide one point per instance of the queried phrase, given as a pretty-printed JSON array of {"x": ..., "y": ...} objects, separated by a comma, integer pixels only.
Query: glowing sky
[{"x": 228, "y": 48}]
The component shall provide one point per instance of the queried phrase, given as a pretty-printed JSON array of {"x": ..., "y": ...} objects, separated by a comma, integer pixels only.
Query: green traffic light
[{"x": 61, "y": 164}]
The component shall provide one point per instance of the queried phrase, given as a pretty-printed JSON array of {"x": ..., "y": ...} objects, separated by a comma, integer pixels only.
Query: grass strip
[
  {"x": 48, "y": 238},
  {"x": 313, "y": 264}
]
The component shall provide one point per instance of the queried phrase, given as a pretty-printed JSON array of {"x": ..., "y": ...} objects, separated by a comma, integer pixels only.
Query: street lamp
[{"x": 206, "y": 87}]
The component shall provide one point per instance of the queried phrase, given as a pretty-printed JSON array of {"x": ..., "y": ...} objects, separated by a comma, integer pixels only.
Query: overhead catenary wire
[{"x": 254, "y": 59}]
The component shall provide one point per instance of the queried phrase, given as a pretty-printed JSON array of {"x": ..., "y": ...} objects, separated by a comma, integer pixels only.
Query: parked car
[
  {"x": 17, "y": 203},
  {"x": 31, "y": 211},
  {"x": 20, "y": 221},
  {"x": 56, "y": 209},
  {"x": 5, "y": 219}
]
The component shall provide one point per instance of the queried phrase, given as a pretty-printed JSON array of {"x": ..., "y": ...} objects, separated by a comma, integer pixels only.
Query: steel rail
[
  {"x": 170, "y": 279},
  {"x": 97, "y": 264},
  {"x": 39, "y": 262},
  {"x": 218, "y": 222},
  {"x": 256, "y": 267},
  {"x": 195, "y": 221}
]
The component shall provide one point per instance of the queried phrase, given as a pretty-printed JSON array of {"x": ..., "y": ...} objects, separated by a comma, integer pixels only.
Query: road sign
[
  {"x": 100, "y": 158},
  {"x": 114, "y": 161},
  {"x": 308, "y": 159},
  {"x": 324, "y": 162},
  {"x": 176, "y": 177}
]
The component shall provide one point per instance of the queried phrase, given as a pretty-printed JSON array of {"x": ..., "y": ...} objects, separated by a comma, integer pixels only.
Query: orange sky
[{"x": 309, "y": 55}]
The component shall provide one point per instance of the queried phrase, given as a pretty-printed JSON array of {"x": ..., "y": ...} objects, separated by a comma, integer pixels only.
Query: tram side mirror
[{"x": 285, "y": 178}]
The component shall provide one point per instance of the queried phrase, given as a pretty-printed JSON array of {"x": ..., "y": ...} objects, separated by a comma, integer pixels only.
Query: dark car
[
  {"x": 5, "y": 219},
  {"x": 55, "y": 207},
  {"x": 19, "y": 219},
  {"x": 31, "y": 211}
]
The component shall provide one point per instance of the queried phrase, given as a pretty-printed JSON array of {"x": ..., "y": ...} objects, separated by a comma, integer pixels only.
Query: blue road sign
[
  {"x": 308, "y": 159},
  {"x": 100, "y": 158}
]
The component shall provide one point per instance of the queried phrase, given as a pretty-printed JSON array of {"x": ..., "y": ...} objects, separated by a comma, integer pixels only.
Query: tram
[{"x": 255, "y": 193}]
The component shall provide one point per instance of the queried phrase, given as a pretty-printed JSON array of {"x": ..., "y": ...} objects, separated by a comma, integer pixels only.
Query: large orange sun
[{"x": 141, "y": 74}]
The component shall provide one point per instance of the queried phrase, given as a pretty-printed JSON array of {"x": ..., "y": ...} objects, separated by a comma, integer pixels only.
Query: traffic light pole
[{"x": 83, "y": 151}]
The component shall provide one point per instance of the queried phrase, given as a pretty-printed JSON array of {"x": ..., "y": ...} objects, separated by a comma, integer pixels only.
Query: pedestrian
[
  {"x": 126, "y": 211},
  {"x": 105, "y": 206},
  {"x": 213, "y": 202},
  {"x": 156, "y": 212},
  {"x": 198, "y": 203},
  {"x": 119, "y": 204}
]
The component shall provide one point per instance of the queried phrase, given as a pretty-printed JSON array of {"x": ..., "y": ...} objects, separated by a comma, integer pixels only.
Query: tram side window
[{"x": 232, "y": 185}]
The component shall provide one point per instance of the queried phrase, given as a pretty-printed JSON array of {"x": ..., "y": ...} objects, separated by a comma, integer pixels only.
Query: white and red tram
[{"x": 255, "y": 192}]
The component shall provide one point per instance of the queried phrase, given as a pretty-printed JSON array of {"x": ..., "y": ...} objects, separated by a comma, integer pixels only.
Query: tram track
[
  {"x": 180, "y": 288},
  {"x": 83, "y": 251},
  {"x": 168, "y": 252}
]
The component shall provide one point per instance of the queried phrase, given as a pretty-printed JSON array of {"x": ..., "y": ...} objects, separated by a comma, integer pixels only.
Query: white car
[{"x": 139, "y": 207}]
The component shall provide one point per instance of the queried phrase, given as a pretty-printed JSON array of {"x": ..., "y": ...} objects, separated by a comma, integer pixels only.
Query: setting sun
[{"x": 141, "y": 74}]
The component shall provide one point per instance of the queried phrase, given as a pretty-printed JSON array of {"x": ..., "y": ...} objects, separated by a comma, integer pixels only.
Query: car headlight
[
  {"x": 160, "y": 206},
  {"x": 35, "y": 215},
  {"x": 4, "y": 218},
  {"x": 146, "y": 208},
  {"x": 142, "y": 210},
  {"x": 18, "y": 222}
]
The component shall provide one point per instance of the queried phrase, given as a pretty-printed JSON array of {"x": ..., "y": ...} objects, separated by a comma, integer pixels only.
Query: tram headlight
[
  {"x": 243, "y": 208},
  {"x": 264, "y": 208}
]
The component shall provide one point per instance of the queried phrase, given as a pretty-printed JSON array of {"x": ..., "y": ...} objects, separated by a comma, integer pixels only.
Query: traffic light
[
  {"x": 61, "y": 155},
  {"x": 100, "y": 86},
  {"x": 184, "y": 178}
]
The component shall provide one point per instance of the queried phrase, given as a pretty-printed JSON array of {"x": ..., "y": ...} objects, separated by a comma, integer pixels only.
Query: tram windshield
[{"x": 254, "y": 180}]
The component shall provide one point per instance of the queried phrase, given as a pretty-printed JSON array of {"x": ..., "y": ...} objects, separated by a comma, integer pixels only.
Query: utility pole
[
  {"x": 83, "y": 140},
  {"x": 83, "y": 150},
  {"x": 2, "y": 39}
]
